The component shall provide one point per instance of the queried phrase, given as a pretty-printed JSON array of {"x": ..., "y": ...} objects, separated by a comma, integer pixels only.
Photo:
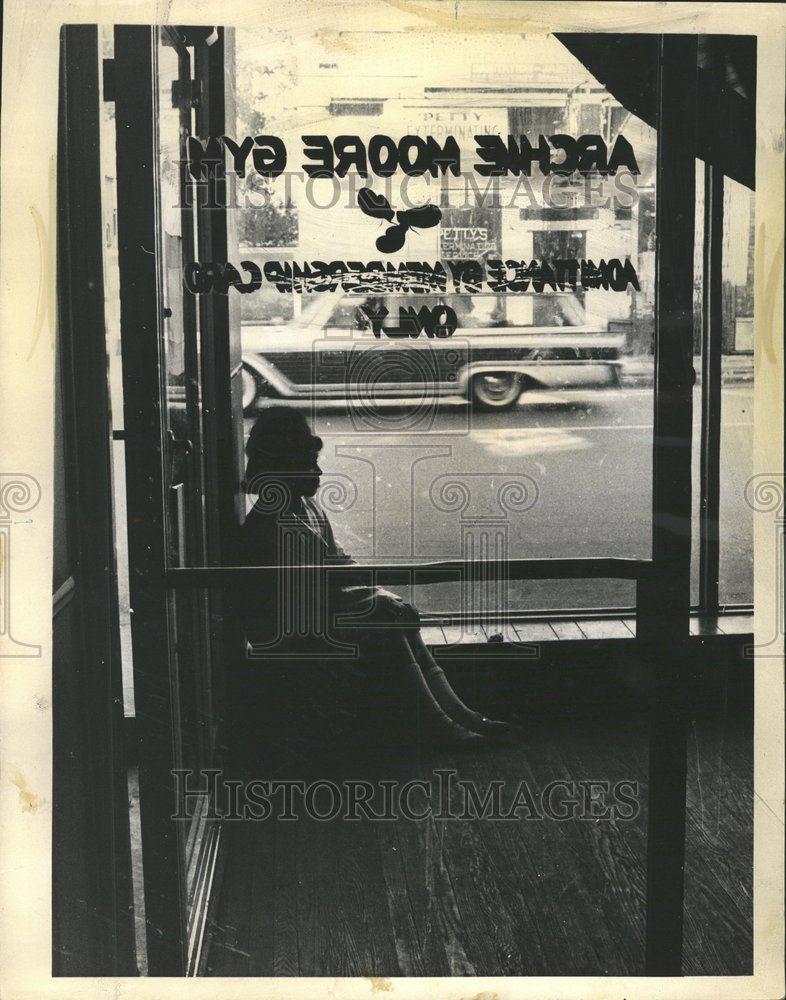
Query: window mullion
[{"x": 711, "y": 344}]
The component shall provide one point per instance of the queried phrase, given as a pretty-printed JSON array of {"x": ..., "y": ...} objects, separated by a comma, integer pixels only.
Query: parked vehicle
[{"x": 502, "y": 345}]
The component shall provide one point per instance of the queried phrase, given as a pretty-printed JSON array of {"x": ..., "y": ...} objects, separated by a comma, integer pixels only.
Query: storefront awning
[{"x": 627, "y": 66}]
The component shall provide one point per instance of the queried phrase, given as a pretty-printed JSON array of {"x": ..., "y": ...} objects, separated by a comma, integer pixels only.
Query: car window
[
  {"x": 565, "y": 309},
  {"x": 346, "y": 313},
  {"x": 478, "y": 311}
]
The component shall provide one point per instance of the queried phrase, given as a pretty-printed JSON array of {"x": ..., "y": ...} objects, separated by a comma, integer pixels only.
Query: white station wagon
[{"x": 502, "y": 345}]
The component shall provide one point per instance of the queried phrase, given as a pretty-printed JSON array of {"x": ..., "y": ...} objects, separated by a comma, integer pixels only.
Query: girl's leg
[
  {"x": 422, "y": 708},
  {"x": 444, "y": 694}
]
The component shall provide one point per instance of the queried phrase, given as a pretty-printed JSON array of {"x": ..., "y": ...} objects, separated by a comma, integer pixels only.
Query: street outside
[{"x": 580, "y": 465}]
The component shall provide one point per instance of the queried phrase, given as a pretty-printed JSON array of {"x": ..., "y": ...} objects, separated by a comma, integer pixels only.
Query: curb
[{"x": 640, "y": 375}]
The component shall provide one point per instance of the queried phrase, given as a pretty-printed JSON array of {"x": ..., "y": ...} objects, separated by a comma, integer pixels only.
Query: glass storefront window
[{"x": 542, "y": 397}]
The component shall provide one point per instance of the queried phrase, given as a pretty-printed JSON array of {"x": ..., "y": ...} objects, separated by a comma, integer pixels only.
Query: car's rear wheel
[
  {"x": 496, "y": 390},
  {"x": 250, "y": 390}
]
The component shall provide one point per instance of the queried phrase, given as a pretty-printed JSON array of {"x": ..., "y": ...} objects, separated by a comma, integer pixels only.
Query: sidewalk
[{"x": 638, "y": 370}]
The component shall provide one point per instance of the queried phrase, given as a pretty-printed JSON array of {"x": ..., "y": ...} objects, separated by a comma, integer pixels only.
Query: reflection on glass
[{"x": 552, "y": 388}]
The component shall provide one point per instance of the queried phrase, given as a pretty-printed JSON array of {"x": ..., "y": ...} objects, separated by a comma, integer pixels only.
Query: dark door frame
[
  {"x": 104, "y": 921},
  {"x": 141, "y": 318},
  {"x": 665, "y": 622},
  {"x": 143, "y": 308}
]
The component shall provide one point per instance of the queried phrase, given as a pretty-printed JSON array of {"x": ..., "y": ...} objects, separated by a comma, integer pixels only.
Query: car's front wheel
[{"x": 496, "y": 390}]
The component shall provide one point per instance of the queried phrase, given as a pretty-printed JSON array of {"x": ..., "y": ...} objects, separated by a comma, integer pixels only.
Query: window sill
[
  {"x": 436, "y": 633},
  {"x": 519, "y": 636}
]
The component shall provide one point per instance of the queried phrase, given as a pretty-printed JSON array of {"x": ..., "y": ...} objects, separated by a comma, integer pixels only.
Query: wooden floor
[{"x": 489, "y": 897}]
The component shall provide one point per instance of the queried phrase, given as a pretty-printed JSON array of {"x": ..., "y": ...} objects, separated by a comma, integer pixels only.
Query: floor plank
[
  {"x": 406, "y": 934},
  {"x": 567, "y": 630},
  {"x": 461, "y": 634},
  {"x": 535, "y": 631},
  {"x": 364, "y": 917},
  {"x": 603, "y": 628}
]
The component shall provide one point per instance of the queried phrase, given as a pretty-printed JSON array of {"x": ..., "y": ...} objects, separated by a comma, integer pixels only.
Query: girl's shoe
[{"x": 478, "y": 723}]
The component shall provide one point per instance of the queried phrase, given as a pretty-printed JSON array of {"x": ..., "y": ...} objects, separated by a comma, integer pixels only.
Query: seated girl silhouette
[{"x": 286, "y": 527}]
